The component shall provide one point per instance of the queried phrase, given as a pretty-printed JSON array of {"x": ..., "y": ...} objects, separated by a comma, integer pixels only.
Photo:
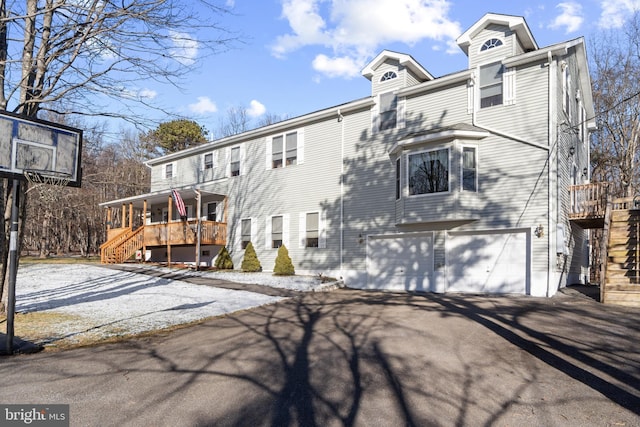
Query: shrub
[
  {"x": 250, "y": 261},
  {"x": 223, "y": 260},
  {"x": 284, "y": 266}
]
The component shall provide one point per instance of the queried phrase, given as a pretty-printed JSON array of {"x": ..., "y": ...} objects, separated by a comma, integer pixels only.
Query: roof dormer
[
  {"x": 391, "y": 71},
  {"x": 495, "y": 37}
]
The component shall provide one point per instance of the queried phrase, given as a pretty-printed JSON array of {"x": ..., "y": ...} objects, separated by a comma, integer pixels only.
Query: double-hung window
[
  {"x": 211, "y": 211},
  {"x": 168, "y": 171},
  {"x": 312, "y": 232},
  {"x": 469, "y": 169},
  {"x": 398, "y": 182},
  {"x": 245, "y": 231},
  {"x": 235, "y": 161},
  {"x": 276, "y": 231},
  {"x": 388, "y": 111},
  {"x": 285, "y": 150},
  {"x": 429, "y": 172},
  {"x": 277, "y": 152},
  {"x": 207, "y": 161},
  {"x": 491, "y": 84}
]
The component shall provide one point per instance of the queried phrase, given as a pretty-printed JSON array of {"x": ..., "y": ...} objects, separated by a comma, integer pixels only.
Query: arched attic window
[
  {"x": 389, "y": 75},
  {"x": 490, "y": 44}
]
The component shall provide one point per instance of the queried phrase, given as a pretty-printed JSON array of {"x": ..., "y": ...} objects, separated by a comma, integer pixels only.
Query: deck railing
[
  {"x": 588, "y": 201},
  {"x": 184, "y": 233}
]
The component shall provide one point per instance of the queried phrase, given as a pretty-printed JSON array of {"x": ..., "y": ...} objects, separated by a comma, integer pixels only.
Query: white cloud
[
  {"x": 615, "y": 12},
  {"x": 147, "y": 94},
  {"x": 256, "y": 109},
  {"x": 355, "y": 36},
  {"x": 336, "y": 67},
  {"x": 570, "y": 19},
  {"x": 203, "y": 106},
  {"x": 185, "y": 47}
]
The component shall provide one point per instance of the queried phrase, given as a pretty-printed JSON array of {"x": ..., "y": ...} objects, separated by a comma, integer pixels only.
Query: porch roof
[{"x": 156, "y": 197}]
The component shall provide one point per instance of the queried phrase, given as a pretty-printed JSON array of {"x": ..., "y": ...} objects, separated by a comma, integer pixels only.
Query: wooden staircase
[
  {"x": 122, "y": 246},
  {"x": 622, "y": 275}
]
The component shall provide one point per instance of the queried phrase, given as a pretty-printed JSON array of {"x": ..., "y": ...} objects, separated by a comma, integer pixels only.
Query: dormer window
[
  {"x": 389, "y": 75},
  {"x": 490, "y": 44}
]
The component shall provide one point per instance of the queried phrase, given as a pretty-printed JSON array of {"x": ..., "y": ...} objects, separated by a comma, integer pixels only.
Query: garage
[
  {"x": 489, "y": 262},
  {"x": 400, "y": 262}
]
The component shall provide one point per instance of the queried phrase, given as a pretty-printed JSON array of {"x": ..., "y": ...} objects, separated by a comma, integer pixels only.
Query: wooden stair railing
[{"x": 122, "y": 247}]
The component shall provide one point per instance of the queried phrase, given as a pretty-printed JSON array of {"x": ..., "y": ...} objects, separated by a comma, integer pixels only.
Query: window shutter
[
  {"x": 285, "y": 230},
  {"x": 269, "y": 151},
  {"x": 470, "y": 93},
  {"x": 243, "y": 159},
  {"x": 375, "y": 120},
  {"x": 302, "y": 228},
  {"x": 510, "y": 86},
  {"x": 267, "y": 233},
  {"x": 227, "y": 160},
  {"x": 402, "y": 103},
  {"x": 300, "y": 159},
  {"x": 254, "y": 231},
  {"x": 322, "y": 230}
]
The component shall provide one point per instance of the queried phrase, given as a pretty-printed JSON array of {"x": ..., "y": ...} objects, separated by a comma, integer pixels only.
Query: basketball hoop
[
  {"x": 39, "y": 178},
  {"x": 57, "y": 179}
]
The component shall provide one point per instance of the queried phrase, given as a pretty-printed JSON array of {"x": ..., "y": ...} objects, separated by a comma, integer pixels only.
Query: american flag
[{"x": 177, "y": 199}]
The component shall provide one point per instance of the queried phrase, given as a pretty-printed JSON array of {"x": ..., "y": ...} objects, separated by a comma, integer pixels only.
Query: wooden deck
[
  {"x": 588, "y": 204},
  {"x": 123, "y": 243}
]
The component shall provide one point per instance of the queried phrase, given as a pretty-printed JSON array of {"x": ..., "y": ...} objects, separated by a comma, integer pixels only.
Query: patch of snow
[{"x": 111, "y": 302}]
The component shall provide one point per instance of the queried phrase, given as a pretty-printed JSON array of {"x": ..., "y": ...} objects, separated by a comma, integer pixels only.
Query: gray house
[{"x": 459, "y": 183}]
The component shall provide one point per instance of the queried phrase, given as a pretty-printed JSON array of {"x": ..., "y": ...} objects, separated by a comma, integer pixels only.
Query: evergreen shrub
[
  {"x": 250, "y": 262},
  {"x": 284, "y": 266},
  {"x": 223, "y": 260}
]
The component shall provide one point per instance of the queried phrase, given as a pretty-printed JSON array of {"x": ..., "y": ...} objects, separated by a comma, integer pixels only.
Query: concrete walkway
[{"x": 348, "y": 358}]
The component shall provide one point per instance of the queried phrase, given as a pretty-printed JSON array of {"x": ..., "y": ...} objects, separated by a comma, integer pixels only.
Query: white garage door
[
  {"x": 400, "y": 262},
  {"x": 488, "y": 263}
]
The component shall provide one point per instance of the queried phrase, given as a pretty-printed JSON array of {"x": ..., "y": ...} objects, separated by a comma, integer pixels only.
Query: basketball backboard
[{"x": 39, "y": 147}]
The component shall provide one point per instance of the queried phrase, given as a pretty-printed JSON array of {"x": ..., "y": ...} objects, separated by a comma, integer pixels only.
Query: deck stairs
[
  {"x": 123, "y": 246},
  {"x": 622, "y": 276}
]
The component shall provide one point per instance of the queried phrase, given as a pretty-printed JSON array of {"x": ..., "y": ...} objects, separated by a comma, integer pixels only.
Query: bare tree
[
  {"x": 92, "y": 57},
  {"x": 615, "y": 64},
  {"x": 235, "y": 121}
]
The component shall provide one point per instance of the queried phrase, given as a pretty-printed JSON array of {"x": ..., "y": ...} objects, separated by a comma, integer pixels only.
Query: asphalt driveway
[{"x": 349, "y": 357}]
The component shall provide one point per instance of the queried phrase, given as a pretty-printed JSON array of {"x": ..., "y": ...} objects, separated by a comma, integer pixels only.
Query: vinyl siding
[
  {"x": 509, "y": 48},
  {"x": 381, "y": 87}
]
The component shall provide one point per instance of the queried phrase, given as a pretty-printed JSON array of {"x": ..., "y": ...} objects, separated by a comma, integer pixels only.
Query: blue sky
[{"x": 301, "y": 56}]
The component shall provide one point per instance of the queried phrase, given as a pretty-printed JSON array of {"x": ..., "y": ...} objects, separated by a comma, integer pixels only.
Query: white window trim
[
  {"x": 462, "y": 147},
  {"x": 254, "y": 235},
  {"x": 205, "y": 210},
  {"x": 173, "y": 170},
  {"x": 285, "y": 231},
  {"x": 401, "y": 120},
  {"x": 299, "y": 147},
  {"x": 478, "y": 85},
  {"x": 213, "y": 159},
  {"x": 503, "y": 45},
  {"x": 242, "y": 160},
  {"x": 407, "y": 169},
  {"x": 322, "y": 229}
]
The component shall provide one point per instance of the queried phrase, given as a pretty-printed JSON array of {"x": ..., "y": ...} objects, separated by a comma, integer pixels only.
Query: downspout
[
  {"x": 341, "y": 120},
  {"x": 550, "y": 230}
]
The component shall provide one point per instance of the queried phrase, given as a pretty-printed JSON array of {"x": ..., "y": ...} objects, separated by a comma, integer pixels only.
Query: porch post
[
  {"x": 144, "y": 222},
  {"x": 124, "y": 216},
  {"x": 170, "y": 214},
  {"x": 109, "y": 218},
  {"x": 198, "y": 227},
  {"x": 131, "y": 215}
]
